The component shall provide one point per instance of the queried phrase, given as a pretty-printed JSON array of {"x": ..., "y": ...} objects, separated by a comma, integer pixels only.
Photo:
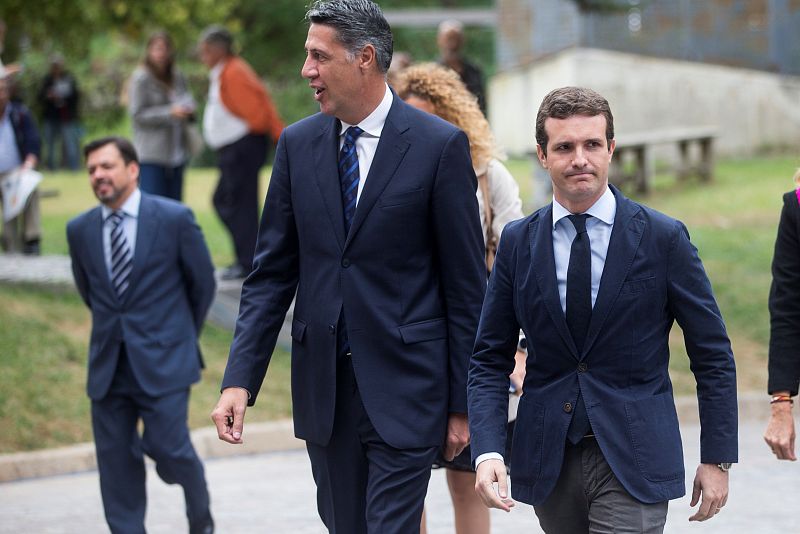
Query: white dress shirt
[
  {"x": 129, "y": 225},
  {"x": 367, "y": 143},
  {"x": 220, "y": 126},
  {"x": 598, "y": 227}
]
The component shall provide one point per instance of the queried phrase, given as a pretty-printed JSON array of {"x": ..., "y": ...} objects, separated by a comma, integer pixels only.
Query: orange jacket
[{"x": 246, "y": 97}]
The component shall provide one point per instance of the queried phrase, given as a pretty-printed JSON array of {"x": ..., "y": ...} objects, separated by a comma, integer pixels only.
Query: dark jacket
[
  {"x": 784, "y": 301},
  {"x": 25, "y": 132},
  {"x": 65, "y": 110}
]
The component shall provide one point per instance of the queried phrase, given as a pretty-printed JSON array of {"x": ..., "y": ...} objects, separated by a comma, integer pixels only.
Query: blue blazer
[
  {"x": 652, "y": 277},
  {"x": 160, "y": 315},
  {"x": 410, "y": 277}
]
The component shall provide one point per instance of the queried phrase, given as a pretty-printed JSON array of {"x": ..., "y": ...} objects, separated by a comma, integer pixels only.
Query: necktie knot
[
  {"x": 116, "y": 218},
  {"x": 352, "y": 133},
  {"x": 579, "y": 222}
]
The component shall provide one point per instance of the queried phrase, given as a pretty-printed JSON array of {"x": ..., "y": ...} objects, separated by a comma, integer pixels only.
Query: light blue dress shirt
[{"x": 9, "y": 151}]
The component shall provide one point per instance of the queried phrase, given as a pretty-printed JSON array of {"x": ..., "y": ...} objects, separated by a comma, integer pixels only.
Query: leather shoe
[{"x": 203, "y": 527}]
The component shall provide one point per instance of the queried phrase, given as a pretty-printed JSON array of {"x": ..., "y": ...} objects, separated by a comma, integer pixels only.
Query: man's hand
[
  {"x": 488, "y": 473},
  {"x": 780, "y": 433},
  {"x": 712, "y": 483},
  {"x": 228, "y": 416},
  {"x": 457, "y": 435},
  {"x": 30, "y": 161}
]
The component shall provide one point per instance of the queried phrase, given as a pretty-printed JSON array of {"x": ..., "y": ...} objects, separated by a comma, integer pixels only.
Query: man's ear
[
  {"x": 541, "y": 155},
  {"x": 367, "y": 57}
]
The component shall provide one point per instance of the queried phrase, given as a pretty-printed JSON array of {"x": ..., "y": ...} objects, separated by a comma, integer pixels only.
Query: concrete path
[{"x": 274, "y": 493}]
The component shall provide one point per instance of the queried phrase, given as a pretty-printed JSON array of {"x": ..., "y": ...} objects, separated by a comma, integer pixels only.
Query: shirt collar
[
  {"x": 373, "y": 124},
  {"x": 605, "y": 209},
  {"x": 216, "y": 70},
  {"x": 129, "y": 208}
]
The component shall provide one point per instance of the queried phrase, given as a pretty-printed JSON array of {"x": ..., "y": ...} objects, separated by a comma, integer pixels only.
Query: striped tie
[
  {"x": 121, "y": 257},
  {"x": 348, "y": 174}
]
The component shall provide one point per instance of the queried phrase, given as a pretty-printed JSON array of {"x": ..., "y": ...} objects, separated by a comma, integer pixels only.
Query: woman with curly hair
[{"x": 440, "y": 91}]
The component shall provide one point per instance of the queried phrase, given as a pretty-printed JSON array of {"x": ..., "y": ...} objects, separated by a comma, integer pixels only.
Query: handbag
[{"x": 491, "y": 239}]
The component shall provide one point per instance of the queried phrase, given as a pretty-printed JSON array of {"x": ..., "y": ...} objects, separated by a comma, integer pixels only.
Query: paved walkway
[{"x": 274, "y": 493}]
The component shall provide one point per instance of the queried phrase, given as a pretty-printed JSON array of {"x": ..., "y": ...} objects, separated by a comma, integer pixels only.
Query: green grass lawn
[{"x": 44, "y": 332}]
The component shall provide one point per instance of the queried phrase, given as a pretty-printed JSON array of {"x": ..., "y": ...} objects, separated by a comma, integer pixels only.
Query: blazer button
[
  {"x": 568, "y": 407},
  {"x": 345, "y": 263},
  {"x": 332, "y": 328},
  {"x": 582, "y": 367}
]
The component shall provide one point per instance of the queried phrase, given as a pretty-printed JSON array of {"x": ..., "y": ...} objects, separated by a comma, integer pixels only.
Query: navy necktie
[
  {"x": 579, "y": 310},
  {"x": 121, "y": 257},
  {"x": 349, "y": 175}
]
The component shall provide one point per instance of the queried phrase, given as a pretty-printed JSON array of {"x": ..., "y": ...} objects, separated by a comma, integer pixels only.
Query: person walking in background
[
  {"x": 450, "y": 40},
  {"x": 784, "y": 341},
  {"x": 371, "y": 220},
  {"x": 238, "y": 117},
  {"x": 19, "y": 147},
  {"x": 59, "y": 98},
  {"x": 142, "y": 267},
  {"x": 162, "y": 110},
  {"x": 596, "y": 281},
  {"x": 439, "y": 90}
]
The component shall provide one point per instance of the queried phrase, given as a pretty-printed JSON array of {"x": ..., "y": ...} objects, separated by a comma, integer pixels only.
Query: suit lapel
[
  {"x": 391, "y": 149},
  {"x": 544, "y": 265},
  {"x": 96, "y": 246},
  {"x": 147, "y": 229},
  {"x": 325, "y": 153},
  {"x": 626, "y": 236}
]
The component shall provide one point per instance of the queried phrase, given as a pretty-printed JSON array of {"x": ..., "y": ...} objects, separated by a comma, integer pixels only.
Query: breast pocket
[
  {"x": 396, "y": 200},
  {"x": 640, "y": 285}
]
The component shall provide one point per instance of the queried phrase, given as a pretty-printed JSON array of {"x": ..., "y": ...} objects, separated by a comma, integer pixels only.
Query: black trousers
[
  {"x": 236, "y": 197},
  {"x": 364, "y": 485}
]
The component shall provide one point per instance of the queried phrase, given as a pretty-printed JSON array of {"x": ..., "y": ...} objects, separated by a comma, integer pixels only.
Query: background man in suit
[
  {"x": 143, "y": 269},
  {"x": 596, "y": 281},
  {"x": 388, "y": 291}
]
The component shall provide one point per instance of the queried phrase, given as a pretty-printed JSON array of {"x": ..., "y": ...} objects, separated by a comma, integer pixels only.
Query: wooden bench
[{"x": 636, "y": 149}]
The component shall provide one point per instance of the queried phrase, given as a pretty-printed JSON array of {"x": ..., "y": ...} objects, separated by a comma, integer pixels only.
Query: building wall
[{"x": 751, "y": 109}]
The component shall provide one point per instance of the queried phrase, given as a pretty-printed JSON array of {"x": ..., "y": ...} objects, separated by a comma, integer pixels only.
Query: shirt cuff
[{"x": 488, "y": 456}]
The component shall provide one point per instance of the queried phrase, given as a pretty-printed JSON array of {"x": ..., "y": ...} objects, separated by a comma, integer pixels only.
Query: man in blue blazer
[
  {"x": 596, "y": 281},
  {"x": 141, "y": 265},
  {"x": 388, "y": 271}
]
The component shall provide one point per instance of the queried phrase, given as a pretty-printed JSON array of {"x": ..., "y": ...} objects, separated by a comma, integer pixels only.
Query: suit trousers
[
  {"x": 364, "y": 485},
  {"x": 589, "y": 498},
  {"x": 120, "y": 450},
  {"x": 236, "y": 196}
]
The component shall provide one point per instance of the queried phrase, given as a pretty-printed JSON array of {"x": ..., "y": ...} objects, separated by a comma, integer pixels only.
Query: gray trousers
[{"x": 588, "y": 498}]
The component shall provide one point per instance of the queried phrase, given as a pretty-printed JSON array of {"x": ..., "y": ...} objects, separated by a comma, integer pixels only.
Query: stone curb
[{"x": 266, "y": 437}]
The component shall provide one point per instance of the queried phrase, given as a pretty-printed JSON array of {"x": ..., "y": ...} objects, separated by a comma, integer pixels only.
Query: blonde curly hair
[{"x": 453, "y": 102}]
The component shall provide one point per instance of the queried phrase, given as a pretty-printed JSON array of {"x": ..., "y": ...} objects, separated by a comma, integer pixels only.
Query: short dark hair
[
  {"x": 124, "y": 146},
  {"x": 218, "y": 36},
  {"x": 357, "y": 24},
  {"x": 566, "y": 102}
]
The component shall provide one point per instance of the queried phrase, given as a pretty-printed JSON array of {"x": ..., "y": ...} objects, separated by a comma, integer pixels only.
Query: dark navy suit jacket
[
  {"x": 652, "y": 277},
  {"x": 160, "y": 315},
  {"x": 410, "y": 277}
]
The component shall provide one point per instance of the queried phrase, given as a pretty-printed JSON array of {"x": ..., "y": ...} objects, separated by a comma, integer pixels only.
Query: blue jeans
[
  {"x": 70, "y": 133},
  {"x": 161, "y": 180}
]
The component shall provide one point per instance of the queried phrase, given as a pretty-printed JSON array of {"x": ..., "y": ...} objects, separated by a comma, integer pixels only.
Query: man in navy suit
[
  {"x": 141, "y": 265},
  {"x": 596, "y": 281},
  {"x": 371, "y": 219}
]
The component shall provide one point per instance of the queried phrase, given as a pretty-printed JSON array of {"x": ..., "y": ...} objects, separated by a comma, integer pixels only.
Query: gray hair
[
  {"x": 217, "y": 35},
  {"x": 358, "y": 23}
]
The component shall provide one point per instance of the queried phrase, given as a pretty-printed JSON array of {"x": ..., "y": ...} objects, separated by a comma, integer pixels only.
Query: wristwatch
[{"x": 725, "y": 466}]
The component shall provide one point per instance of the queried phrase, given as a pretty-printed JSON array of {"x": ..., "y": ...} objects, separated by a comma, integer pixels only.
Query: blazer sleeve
[
  {"x": 784, "y": 301},
  {"x": 493, "y": 358},
  {"x": 268, "y": 290},
  {"x": 460, "y": 256},
  {"x": 78, "y": 270},
  {"x": 691, "y": 301},
  {"x": 197, "y": 268}
]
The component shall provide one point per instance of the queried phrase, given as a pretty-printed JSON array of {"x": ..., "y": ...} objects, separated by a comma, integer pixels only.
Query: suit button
[
  {"x": 345, "y": 263},
  {"x": 582, "y": 367},
  {"x": 332, "y": 328},
  {"x": 568, "y": 407}
]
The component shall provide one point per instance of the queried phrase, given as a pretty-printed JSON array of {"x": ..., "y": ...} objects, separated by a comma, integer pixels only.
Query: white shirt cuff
[{"x": 488, "y": 456}]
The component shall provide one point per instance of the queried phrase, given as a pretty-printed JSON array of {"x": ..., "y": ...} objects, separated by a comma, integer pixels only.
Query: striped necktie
[
  {"x": 121, "y": 257},
  {"x": 348, "y": 174}
]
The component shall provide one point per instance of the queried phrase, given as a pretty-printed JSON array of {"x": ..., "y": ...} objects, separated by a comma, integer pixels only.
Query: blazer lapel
[
  {"x": 626, "y": 236},
  {"x": 391, "y": 149},
  {"x": 147, "y": 229},
  {"x": 325, "y": 152},
  {"x": 541, "y": 232}
]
